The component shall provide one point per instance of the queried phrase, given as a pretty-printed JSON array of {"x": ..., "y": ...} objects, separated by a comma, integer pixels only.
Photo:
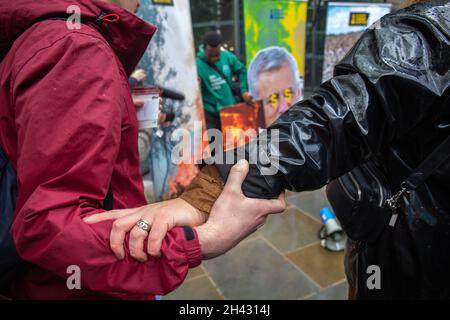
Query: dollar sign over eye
[
  {"x": 288, "y": 93},
  {"x": 274, "y": 100}
]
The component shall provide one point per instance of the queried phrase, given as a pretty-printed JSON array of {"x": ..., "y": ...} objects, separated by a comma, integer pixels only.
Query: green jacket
[{"x": 216, "y": 92}]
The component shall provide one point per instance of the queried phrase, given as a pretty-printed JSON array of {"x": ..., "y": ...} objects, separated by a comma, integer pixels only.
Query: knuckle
[
  {"x": 153, "y": 238},
  {"x": 117, "y": 224},
  {"x": 136, "y": 252},
  {"x": 132, "y": 246},
  {"x": 228, "y": 192},
  {"x": 137, "y": 234},
  {"x": 157, "y": 238}
]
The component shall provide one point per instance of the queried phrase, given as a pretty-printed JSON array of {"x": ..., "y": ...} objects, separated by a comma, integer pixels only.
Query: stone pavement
[{"x": 282, "y": 260}]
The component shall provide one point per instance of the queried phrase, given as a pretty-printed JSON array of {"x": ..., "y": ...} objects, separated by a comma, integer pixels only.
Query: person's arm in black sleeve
[{"x": 387, "y": 84}]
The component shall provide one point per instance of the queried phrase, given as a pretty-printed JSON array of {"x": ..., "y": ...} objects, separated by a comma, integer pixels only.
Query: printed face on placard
[{"x": 278, "y": 90}]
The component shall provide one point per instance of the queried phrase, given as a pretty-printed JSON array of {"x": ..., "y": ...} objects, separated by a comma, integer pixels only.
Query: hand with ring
[
  {"x": 150, "y": 222},
  {"x": 144, "y": 225},
  {"x": 232, "y": 218}
]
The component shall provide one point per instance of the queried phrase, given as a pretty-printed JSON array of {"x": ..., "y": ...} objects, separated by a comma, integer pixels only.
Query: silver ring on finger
[{"x": 143, "y": 225}]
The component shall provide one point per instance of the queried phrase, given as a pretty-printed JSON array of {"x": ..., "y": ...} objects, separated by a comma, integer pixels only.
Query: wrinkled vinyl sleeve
[{"x": 385, "y": 86}]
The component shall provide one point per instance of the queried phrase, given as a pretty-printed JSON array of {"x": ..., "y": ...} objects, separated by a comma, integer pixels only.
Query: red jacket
[{"x": 68, "y": 125}]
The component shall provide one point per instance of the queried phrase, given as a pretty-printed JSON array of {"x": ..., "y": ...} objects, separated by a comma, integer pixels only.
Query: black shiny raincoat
[{"x": 389, "y": 99}]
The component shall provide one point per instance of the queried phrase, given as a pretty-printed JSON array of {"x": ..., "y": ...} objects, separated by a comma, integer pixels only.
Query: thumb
[
  {"x": 237, "y": 176},
  {"x": 271, "y": 206}
]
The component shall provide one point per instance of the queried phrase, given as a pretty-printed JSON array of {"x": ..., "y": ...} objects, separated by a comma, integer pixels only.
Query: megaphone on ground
[{"x": 331, "y": 234}]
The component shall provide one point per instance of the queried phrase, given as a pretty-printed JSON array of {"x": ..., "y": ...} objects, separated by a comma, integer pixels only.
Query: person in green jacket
[{"x": 216, "y": 67}]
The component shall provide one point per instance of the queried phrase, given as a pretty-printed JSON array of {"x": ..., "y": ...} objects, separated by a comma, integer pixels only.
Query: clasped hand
[{"x": 232, "y": 218}]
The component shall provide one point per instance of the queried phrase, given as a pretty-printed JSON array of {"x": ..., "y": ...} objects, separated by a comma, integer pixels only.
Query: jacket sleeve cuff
[
  {"x": 191, "y": 246},
  {"x": 204, "y": 190}
]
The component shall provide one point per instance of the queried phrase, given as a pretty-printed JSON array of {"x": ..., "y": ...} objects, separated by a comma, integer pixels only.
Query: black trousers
[{"x": 213, "y": 120}]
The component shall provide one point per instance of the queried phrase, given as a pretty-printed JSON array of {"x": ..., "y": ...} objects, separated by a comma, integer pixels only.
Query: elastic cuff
[{"x": 192, "y": 247}]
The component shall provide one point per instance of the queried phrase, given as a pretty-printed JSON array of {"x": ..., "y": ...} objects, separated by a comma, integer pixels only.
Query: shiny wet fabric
[{"x": 389, "y": 99}]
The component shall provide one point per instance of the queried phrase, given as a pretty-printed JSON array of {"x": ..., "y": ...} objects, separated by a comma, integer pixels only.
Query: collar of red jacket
[{"x": 128, "y": 35}]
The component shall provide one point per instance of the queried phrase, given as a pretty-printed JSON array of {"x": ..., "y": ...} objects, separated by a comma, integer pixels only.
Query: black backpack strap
[
  {"x": 221, "y": 74},
  {"x": 430, "y": 165},
  {"x": 434, "y": 160}
]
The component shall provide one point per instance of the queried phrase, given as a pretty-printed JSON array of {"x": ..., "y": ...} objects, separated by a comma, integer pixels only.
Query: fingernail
[{"x": 242, "y": 162}]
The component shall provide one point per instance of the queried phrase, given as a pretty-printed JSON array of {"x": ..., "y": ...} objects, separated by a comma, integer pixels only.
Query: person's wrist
[
  {"x": 208, "y": 239},
  {"x": 193, "y": 216}
]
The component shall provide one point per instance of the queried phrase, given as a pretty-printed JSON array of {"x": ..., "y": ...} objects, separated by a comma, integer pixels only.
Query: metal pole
[{"x": 236, "y": 27}]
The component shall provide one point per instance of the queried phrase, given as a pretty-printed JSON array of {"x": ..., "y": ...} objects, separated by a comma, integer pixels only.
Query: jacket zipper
[
  {"x": 380, "y": 187},
  {"x": 345, "y": 189},
  {"x": 347, "y": 192},
  {"x": 355, "y": 182}
]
